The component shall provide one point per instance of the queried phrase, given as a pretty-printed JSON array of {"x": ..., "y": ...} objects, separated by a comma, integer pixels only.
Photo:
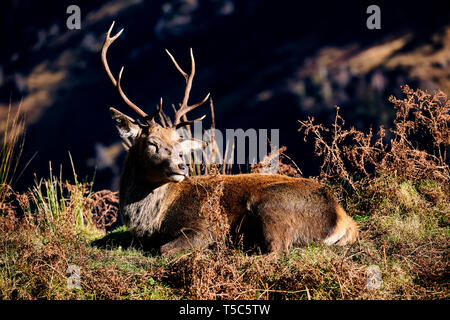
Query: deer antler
[
  {"x": 185, "y": 108},
  {"x": 108, "y": 41}
]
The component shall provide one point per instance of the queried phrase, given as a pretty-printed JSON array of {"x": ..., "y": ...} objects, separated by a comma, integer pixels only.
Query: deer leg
[
  {"x": 186, "y": 240},
  {"x": 276, "y": 220},
  {"x": 267, "y": 230},
  {"x": 276, "y": 236}
]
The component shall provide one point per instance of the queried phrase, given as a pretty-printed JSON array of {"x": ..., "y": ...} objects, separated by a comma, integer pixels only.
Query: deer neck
[{"x": 142, "y": 203}]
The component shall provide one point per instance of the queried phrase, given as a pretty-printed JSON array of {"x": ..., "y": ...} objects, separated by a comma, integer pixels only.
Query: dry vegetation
[{"x": 395, "y": 184}]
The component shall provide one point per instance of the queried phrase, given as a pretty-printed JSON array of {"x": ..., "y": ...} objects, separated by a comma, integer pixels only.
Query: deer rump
[{"x": 271, "y": 212}]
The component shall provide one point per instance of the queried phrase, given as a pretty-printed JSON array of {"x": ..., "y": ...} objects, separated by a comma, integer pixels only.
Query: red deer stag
[{"x": 160, "y": 204}]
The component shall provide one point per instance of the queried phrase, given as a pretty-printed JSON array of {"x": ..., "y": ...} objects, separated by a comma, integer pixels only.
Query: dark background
[{"x": 267, "y": 64}]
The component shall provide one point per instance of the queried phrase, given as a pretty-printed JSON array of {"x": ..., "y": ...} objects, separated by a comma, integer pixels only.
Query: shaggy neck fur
[{"x": 142, "y": 204}]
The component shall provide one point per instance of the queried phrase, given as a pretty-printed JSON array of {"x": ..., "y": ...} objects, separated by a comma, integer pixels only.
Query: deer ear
[{"x": 126, "y": 125}]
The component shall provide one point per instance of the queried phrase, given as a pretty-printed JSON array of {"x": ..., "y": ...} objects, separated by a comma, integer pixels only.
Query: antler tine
[
  {"x": 157, "y": 112},
  {"x": 185, "y": 75},
  {"x": 185, "y": 108},
  {"x": 108, "y": 41},
  {"x": 128, "y": 102},
  {"x": 186, "y": 123}
]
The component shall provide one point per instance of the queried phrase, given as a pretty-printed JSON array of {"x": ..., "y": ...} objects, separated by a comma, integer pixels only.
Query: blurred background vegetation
[{"x": 267, "y": 64}]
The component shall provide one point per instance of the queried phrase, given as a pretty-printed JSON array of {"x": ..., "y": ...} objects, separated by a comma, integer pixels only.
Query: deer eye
[{"x": 154, "y": 145}]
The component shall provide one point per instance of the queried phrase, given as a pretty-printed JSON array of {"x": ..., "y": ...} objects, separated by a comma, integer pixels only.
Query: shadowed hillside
[{"x": 265, "y": 65}]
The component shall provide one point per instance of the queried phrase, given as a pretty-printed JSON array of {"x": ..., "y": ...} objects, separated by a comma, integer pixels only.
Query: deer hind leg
[
  {"x": 188, "y": 239},
  {"x": 276, "y": 237},
  {"x": 276, "y": 231}
]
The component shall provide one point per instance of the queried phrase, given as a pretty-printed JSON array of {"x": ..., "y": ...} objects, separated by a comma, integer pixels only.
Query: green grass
[
  {"x": 407, "y": 243},
  {"x": 59, "y": 203},
  {"x": 405, "y": 233}
]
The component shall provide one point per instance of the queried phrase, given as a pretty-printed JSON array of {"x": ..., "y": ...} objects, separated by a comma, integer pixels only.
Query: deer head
[{"x": 158, "y": 150}]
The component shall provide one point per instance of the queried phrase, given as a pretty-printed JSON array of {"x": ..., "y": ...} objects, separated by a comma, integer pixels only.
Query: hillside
[{"x": 263, "y": 65}]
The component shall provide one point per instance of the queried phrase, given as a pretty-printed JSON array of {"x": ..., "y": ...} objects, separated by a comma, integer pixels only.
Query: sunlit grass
[
  {"x": 59, "y": 203},
  {"x": 11, "y": 149}
]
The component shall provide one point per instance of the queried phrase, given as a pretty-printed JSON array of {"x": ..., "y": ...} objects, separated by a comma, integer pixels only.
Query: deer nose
[{"x": 183, "y": 167}]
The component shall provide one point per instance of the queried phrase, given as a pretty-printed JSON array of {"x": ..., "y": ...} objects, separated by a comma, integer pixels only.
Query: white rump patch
[{"x": 336, "y": 235}]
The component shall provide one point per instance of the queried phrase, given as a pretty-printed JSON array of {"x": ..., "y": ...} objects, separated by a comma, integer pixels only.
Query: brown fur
[{"x": 272, "y": 211}]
